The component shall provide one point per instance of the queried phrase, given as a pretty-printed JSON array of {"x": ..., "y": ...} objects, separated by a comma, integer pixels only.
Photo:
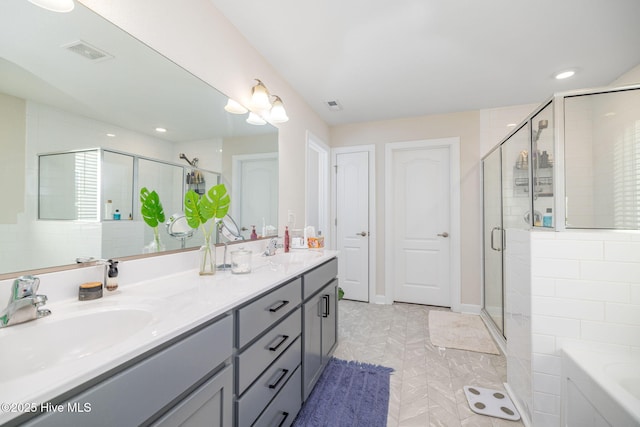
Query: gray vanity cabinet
[
  {"x": 320, "y": 314},
  {"x": 268, "y": 357},
  {"x": 178, "y": 384}
]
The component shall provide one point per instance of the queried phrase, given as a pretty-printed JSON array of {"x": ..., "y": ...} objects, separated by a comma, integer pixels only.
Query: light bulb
[
  {"x": 260, "y": 97},
  {"x": 255, "y": 119},
  {"x": 278, "y": 113}
]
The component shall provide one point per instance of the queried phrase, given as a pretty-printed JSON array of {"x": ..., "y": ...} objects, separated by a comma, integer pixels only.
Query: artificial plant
[
  {"x": 214, "y": 204},
  {"x": 152, "y": 212}
]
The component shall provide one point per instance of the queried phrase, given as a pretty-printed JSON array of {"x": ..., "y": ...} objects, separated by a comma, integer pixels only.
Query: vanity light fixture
[
  {"x": 565, "y": 74},
  {"x": 255, "y": 119},
  {"x": 278, "y": 113},
  {"x": 55, "y": 5},
  {"x": 234, "y": 107},
  {"x": 260, "y": 97}
]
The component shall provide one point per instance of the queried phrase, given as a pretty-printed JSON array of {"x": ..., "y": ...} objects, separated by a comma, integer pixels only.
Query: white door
[
  {"x": 352, "y": 223},
  {"x": 420, "y": 225},
  {"x": 254, "y": 195}
]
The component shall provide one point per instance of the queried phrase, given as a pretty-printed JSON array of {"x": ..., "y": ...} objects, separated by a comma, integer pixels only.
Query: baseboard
[
  {"x": 380, "y": 299},
  {"x": 524, "y": 417}
]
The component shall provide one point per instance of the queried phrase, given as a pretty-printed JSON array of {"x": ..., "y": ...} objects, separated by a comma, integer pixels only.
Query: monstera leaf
[
  {"x": 151, "y": 208},
  {"x": 213, "y": 204}
]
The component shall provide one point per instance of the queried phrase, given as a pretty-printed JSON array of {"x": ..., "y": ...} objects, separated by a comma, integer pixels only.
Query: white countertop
[{"x": 177, "y": 303}]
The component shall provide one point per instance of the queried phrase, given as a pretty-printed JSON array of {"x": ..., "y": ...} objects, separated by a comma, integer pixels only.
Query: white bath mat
[
  {"x": 461, "y": 331},
  {"x": 494, "y": 403}
]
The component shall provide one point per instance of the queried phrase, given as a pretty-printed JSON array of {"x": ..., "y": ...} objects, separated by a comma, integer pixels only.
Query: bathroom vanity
[{"x": 229, "y": 349}]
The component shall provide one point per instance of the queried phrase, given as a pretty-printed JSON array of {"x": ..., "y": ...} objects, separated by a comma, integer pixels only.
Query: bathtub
[{"x": 599, "y": 389}]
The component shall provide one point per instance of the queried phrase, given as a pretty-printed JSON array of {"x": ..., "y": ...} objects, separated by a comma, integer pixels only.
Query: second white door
[
  {"x": 420, "y": 224},
  {"x": 352, "y": 225}
]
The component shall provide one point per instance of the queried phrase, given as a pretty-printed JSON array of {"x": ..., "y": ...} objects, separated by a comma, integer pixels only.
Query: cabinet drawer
[
  {"x": 268, "y": 385},
  {"x": 318, "y": 277},
  {"x": 283, "y": 409},
  {"x": 139, "y": 392},
  {"x": 263, "y": 352},
  {"x": 264, "y": 312}
]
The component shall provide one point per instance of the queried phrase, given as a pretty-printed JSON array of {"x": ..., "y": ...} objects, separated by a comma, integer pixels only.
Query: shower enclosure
[{"x": 574, "y": 163}]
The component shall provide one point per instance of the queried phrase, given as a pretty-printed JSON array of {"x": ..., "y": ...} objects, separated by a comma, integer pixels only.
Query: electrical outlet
[{"x": 291, "y": 217}]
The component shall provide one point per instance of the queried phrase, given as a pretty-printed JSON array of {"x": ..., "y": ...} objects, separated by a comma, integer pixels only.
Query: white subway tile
[
  {"x": 590, "y": 345},
  {"x": 569, "y": 249},
  {"x": 546, "y": 420},
  {"x": 593, "y": 290},
  {"x": 546, "y": 364},
  {"x": 559, "y": 268},
  {"x": 622, "y": 251},
  {"x": 546, "y": 383},
  {"x": 635, "y": 294},
  {"x": 610, "y": 271},
  {"x": 557, "y": 326},
  {"x": 543, "y": 344},
  {"x": 603, "y": 235},
  {"x": 623, "y": 313},
  {"x": 613, "y": 333},
  {"x": 569, "y": 308},
  {"x": 547, "y": 403}
]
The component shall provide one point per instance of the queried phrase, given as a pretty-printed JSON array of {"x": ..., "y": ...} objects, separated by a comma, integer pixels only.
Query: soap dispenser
[
  {"x": 286, "y": 238},
  {"x": 254, "y": 235},
  {"x": 112, "y": 275}
]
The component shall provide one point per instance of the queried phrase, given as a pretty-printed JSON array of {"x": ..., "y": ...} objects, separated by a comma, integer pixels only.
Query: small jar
[{"x": 241, "y": 261}]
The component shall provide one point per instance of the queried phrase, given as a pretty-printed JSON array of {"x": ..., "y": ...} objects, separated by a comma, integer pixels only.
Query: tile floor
[{"x": 426, "y": 387}]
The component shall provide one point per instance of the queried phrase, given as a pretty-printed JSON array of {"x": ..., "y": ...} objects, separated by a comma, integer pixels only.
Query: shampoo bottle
[
  {"x": 547, "y": 219},
  {"x": 254, "y": 236}
]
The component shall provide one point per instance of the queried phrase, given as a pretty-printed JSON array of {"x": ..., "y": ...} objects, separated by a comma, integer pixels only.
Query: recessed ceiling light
[
  {"x": 610, "y": 114},
  {"x": 111, "y": 135},
  {"x": 565, "y": 74},
  {"x": 511, "y": 125},
  {"x": 161, "y": 130}
]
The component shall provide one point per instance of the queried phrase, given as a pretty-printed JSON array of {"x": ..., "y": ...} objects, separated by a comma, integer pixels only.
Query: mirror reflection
[{"x": 74, "y": 83}]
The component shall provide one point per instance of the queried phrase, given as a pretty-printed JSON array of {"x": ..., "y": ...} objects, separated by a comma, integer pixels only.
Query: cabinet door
[
  {"x": 312, "y": 362},
  {"x": 329, "y": 303},
  {"x": 209, "y": 405}
]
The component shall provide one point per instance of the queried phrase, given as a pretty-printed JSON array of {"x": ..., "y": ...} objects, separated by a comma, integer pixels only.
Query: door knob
[
  {"x": 362, "y": 233},
  {"x": 445, "y": 234}
]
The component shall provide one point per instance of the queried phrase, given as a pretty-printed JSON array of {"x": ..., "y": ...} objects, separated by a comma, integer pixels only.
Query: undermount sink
[
  {"x": 43, "y": 343},
  {"x": 296, "y": 257}
]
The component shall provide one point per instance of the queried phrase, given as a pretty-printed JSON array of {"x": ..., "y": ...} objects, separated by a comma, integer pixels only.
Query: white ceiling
[{"x": 384, "y": 59}]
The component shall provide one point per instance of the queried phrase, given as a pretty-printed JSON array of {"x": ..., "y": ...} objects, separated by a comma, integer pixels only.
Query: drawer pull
[
  {"x": 284, "y": 338},
  {"x": 286, "y": 414},
  {"x": 284, "y": 374},
  {"x": 279, "y": 306}
]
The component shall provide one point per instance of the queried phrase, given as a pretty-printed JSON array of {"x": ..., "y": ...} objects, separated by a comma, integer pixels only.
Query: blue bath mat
[{"x": 348, "y": 394}]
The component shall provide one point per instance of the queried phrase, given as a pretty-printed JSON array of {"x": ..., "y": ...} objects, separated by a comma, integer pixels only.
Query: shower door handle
[{"x": 492, "y": 241}]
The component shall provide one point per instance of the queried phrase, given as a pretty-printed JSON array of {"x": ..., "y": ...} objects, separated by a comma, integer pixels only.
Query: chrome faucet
[
  {"x": 271, "y": 247},
  {"x": 24, "y": 304}
]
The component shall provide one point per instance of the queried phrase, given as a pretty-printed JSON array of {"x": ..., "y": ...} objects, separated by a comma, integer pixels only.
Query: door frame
[
  {"x": 453, "y": 144},
  {"x": 371, "y": 149},
  {"x": 324, "y": 159}
]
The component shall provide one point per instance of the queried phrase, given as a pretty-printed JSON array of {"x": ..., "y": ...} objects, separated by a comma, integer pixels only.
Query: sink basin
[
  {"x": 43, "y": 343},
  {"x": 627, "y": 376}
]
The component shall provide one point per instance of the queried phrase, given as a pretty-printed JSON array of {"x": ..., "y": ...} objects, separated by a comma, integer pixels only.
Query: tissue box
[{"x": 316, "y": 242}]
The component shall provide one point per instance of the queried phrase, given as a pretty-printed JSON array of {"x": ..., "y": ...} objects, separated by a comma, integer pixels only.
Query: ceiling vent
[
  {"x": 334, "y": 105},
  {"x": 84, "y": 49}
]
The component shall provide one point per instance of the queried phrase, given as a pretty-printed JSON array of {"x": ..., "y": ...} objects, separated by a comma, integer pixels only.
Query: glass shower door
[{"x": 492, "y": 229}]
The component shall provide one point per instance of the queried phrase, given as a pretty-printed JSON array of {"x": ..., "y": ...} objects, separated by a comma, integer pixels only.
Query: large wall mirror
[{"x": 73, "y": 81}]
